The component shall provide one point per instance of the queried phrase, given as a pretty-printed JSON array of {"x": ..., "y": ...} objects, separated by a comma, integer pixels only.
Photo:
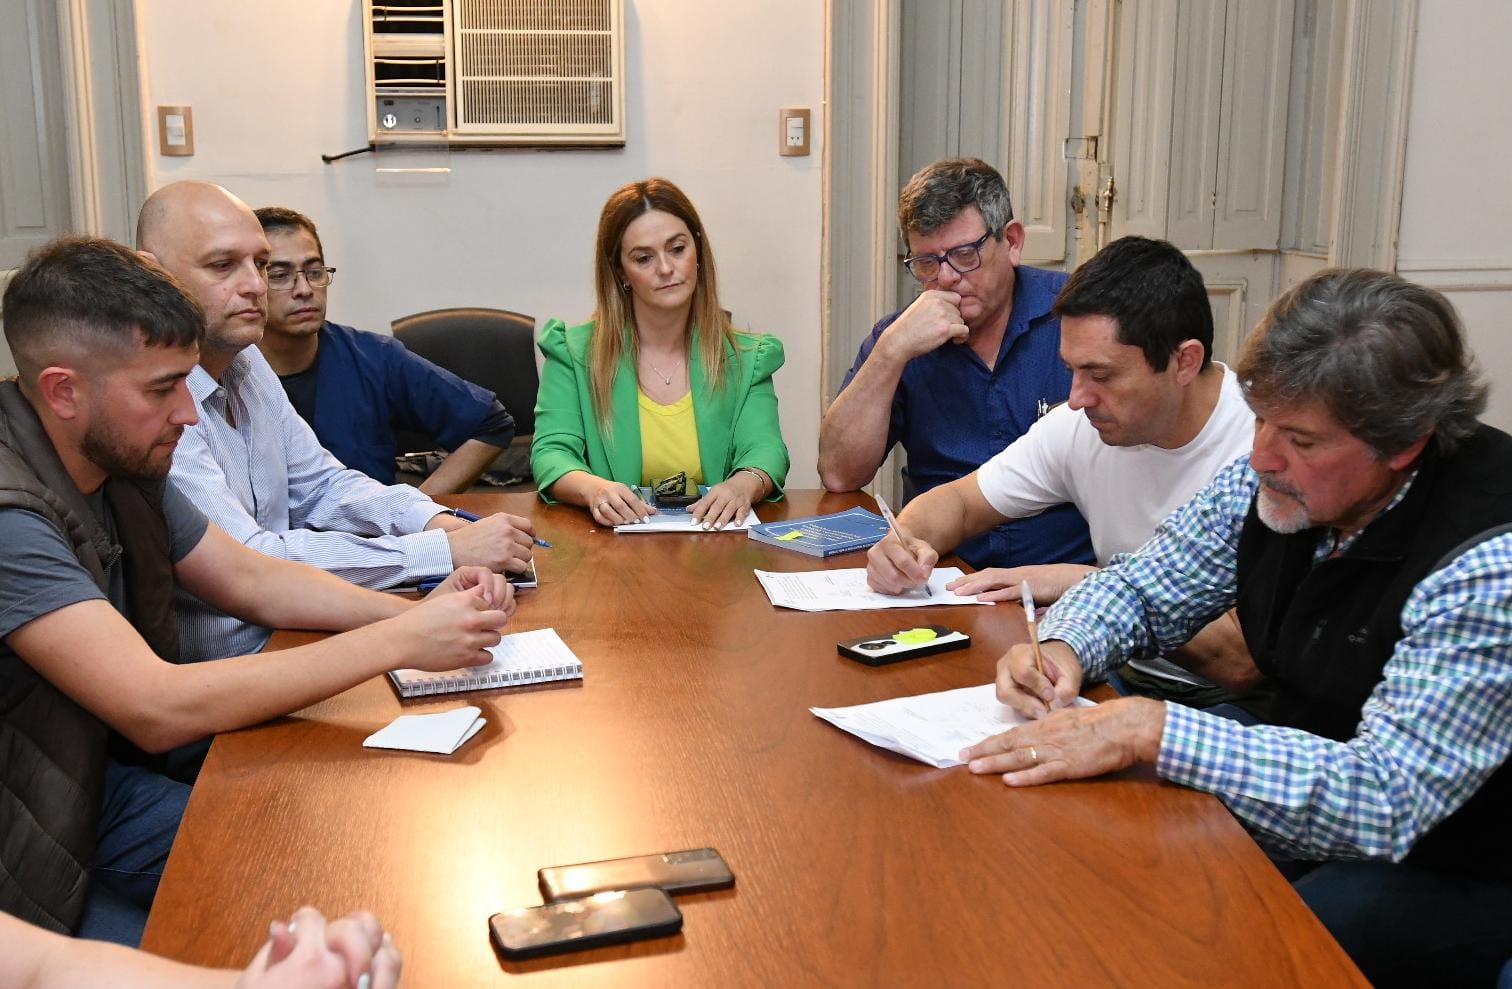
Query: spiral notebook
[{"x": 539, "y": 656}]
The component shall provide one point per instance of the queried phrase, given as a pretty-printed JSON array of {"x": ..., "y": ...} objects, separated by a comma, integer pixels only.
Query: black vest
[
  {"x": 52, "y": 752},
  {"x": 1323, "y": 634}
]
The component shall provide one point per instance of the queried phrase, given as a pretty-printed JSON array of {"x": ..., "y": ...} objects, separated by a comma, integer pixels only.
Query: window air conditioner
[{"x": 495, "y": 72}]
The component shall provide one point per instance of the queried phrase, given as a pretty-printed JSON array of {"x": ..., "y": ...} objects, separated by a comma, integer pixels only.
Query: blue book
[{"x": 824, "y": 535}]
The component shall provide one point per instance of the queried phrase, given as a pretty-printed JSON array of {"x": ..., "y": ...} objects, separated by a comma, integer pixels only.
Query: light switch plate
[{"x": 175, "y": 131}]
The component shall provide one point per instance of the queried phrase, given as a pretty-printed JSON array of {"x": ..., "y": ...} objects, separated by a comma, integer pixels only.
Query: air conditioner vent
[
  {"x": 535, "y": 15},
  {"x": 511, "y": 71},
  {"x": 408, "y": 17}
]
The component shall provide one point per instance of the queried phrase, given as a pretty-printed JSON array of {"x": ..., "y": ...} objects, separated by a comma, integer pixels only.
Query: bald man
[
  {"x": 256, "y": 468},
  {"x": 95, "y": 545}
]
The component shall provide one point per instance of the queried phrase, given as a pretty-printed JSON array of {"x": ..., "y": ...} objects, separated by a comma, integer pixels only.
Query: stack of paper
[
  {"x": 683, "y": 522},
  {"x": 443, "y": 733},
  {"x": 846, "y": 590},
  {"x": 932, "y": 728}
]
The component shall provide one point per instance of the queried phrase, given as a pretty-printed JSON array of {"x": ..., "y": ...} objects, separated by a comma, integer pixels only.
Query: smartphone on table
[
  {"x": 690, "y": 871},
  {"x": 582, "y": 922}
]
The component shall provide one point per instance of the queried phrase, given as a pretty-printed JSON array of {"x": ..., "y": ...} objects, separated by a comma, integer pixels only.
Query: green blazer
[{"x": 737, "y": 425}]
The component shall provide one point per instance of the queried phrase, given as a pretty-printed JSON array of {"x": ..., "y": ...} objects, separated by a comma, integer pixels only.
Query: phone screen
[{"x": 603, "y": 918}]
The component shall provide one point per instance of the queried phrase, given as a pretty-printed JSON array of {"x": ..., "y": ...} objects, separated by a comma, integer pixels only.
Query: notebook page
[{"x": 524, "y": 657}]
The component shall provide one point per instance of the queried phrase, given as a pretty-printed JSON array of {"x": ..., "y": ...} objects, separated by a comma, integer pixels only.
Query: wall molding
[
  {"x": 1234, "y": 294},
  {"x": 1459, "y": 274}
]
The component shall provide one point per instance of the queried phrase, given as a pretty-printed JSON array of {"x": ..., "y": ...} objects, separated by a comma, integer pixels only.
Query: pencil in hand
[{"x": 1028, "y": 596}]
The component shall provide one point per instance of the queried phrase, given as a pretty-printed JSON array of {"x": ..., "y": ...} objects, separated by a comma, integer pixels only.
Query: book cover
[{"x": 824, "y": 535}]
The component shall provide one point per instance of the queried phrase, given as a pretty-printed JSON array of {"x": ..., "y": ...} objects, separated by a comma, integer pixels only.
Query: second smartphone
[
  {"x": 585, "y": 922},
  {"x": 689, "y": 871}
]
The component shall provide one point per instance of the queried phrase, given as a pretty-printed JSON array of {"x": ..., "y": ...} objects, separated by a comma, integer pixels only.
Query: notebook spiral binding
[{"x": 448, "y": 684}]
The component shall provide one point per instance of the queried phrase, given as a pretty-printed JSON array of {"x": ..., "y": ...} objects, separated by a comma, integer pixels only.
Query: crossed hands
[
  {"x": 308, "y": 952},
  {"x": 454, "y": 625}
]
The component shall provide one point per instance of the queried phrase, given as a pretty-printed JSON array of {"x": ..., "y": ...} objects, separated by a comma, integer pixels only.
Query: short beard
[
  {"x": 1282, "y": 516},
  {"x": 105, "y": 449}
]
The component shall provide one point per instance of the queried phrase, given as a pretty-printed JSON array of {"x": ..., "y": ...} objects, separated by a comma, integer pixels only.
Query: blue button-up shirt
[
  {"x": 1431, "y": 733},
  {"x": 268, "y": 482},
  {"x": 368, "y": 387},
  {"x": 952, "y": 414}
]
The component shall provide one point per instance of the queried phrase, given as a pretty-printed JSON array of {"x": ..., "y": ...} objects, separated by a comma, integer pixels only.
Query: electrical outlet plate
[{"x": 794, "y": 131}]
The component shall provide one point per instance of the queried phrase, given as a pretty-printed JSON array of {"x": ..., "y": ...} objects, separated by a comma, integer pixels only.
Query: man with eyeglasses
[
  {"x": 256, "y": 469},
  {"x": 357, "y": 389},
  {"x": 966, "y": 369}
]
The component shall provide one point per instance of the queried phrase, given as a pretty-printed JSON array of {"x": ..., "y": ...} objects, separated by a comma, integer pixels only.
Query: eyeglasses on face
[
  {"x": 282, "y": 276},
  {"x": 962, "y": 257}
]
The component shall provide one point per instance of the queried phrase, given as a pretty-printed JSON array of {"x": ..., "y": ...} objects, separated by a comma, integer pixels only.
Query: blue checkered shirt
[
  {"x": 270, "y": 484},
  {"x": 1433, "y": 730}
]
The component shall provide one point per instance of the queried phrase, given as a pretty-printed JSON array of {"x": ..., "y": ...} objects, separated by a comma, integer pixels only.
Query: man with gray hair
[
  {"x": 1366, "y": 543},
  {"x": 966, "y": 369}
]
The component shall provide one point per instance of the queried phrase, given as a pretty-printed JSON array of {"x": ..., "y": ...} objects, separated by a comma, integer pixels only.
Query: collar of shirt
[
  {"x": 1329, "y": 543},
  {"x": 1034, "y": 292},
  {"x": 203, "y": 387}
]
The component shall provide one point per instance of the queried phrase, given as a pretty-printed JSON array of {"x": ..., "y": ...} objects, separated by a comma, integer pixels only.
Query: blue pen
[{"x": 467, "y": 516}]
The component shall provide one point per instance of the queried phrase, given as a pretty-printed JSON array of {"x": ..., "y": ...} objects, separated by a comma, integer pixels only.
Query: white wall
[
  {"x": 275, "y": 83},
  {"x": 1457, "y": 203}
]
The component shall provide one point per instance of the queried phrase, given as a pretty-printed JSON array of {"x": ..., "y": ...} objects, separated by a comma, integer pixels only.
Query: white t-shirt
[{"x": 1124, "y": 492}]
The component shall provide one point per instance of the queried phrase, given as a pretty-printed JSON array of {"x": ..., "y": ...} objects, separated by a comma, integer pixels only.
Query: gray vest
[{"x": 52, "y": 752}]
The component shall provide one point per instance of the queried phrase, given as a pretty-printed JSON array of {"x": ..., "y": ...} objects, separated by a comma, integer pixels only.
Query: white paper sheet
[
  {"x": 683, "y": 522},
  {"x": 846, "y": 590},
  {"x": 932, "y": 728},
  {"x": 444, "y": 733}
]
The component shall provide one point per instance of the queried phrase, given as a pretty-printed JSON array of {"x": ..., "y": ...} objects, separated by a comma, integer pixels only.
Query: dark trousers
[
  {"x": 139, "y": 819},
  {"x": 1407, "y": 926}
]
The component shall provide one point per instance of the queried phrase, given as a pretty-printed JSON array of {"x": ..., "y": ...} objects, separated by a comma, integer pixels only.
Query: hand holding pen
[
  {"x": 901, "y": 563},
  {"x": 500, "y": 542},
  {"x": 467, "y": 516}
]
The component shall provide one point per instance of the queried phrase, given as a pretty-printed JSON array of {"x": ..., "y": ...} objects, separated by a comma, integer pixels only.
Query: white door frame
[{"x": 102, "y": 105}]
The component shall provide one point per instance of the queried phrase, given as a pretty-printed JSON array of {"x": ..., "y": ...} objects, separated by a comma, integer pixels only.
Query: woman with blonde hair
[{"x": 657, "y": 383}]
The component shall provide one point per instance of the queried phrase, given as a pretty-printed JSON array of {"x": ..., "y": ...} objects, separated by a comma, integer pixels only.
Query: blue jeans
[
  {"x": 139, "y": 818},
  {"x": 1409, "y": 926}
]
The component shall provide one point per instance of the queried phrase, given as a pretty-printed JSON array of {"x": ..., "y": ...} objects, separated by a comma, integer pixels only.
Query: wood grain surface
[{"x": 691, "y": 727}]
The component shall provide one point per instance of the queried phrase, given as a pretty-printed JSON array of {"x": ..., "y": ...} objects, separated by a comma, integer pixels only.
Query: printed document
[
  {"x": 846, "y": 590},
  {"x": 683, "y": 522},
  {"x": 932, "y": 728}
]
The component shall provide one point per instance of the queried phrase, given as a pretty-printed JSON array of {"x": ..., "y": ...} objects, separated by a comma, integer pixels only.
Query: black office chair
[{"x": 493, "y": 348}]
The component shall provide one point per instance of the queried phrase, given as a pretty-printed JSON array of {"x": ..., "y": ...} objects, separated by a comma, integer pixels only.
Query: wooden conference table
[{"x": 691, "y": 727}]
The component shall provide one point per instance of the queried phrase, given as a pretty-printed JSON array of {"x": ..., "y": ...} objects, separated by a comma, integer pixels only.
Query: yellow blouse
[{"x": 669, "y": 440}]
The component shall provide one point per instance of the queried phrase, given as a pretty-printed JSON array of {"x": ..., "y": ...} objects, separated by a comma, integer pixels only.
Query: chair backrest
[{"x": 493, "y": 348}]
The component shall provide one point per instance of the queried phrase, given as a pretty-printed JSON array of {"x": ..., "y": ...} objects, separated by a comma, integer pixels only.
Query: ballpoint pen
[
  {"x": 890, "y": 518},
  {"x": 467, "y": 516}
]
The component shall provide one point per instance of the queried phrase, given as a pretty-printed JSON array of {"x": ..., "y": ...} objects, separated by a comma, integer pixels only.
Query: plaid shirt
[
  {"x": 273, "y": 487},
  {"x": 1433, "y": 730}
]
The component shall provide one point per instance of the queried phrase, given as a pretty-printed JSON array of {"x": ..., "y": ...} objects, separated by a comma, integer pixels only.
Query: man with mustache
[
  {"x": 1367, "y": 545},
  {"x": 255, "y": 468},
  {"x": 1150, "y": 420},
  {"x": 358, "y": 389},
  {"x": 966, "y": 369},
  {"x": 95, "y": 544}
]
